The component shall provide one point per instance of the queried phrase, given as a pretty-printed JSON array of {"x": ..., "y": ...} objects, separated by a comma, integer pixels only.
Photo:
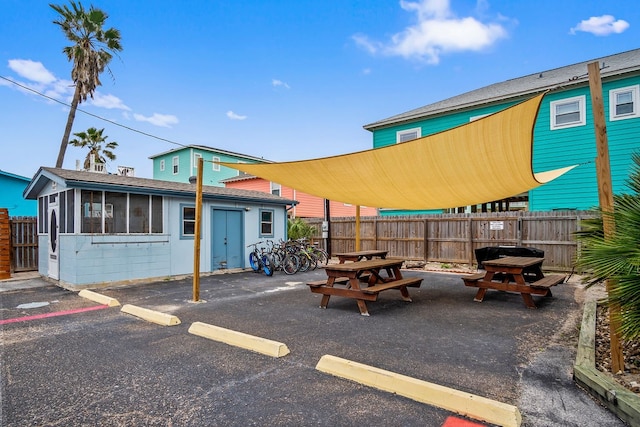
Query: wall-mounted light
[{"x": 247, "y": 209}]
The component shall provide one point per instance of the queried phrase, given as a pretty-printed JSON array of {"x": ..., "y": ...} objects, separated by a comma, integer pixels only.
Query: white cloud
[
  {"x": 276, "y": 83},
  {"x": 32, "y": 70},
  {"x": 108, "y": 101},
  {"x": 234, "y": 116},
  {"x": 437, "y": 31},
  {"x": 162, "y": 120},
  {"x": 601, "y": 25}
]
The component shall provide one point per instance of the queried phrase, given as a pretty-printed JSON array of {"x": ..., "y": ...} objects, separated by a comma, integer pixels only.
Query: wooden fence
[
  {"x": 5, "y": 245},
  {"x": 18, "y": 244},
  {"x": 24, "y": 243},
  {"x": 452, "y": 238}
]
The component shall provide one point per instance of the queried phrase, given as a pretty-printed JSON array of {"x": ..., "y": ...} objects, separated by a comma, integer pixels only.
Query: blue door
[{"x": 226, "y": 239}]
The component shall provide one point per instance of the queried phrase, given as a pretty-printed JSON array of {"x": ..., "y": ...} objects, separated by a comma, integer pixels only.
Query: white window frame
[
  {"x": 175, "y": 165},
  {"x": 635, "y": 96},
  {"x": 216, "y": 166},
  {"x": 162, "y": 165},
  {"x": 403, "y": 133},
  {"x": 274, "y": 186},
  {"x": 581, "y": 100}
]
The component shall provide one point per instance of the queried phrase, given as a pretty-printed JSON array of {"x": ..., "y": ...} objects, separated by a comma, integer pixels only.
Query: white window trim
[
  {"x": 175, "y": 165},
  {"x": 400, "y": 133},
  {"x": 216, "y": 166},
  {"x": 275, "y": 186},
  {"x": 635, "y": 95},
  {"x": 581, "y": 110},
  {"x": 162, "y": 165}
]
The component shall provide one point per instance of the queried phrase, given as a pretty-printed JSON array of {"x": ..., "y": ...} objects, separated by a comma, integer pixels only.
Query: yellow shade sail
[{"x": 482, "y": 161}]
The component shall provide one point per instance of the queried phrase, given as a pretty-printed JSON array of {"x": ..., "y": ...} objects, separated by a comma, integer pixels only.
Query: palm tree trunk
[{"x": 67, "y": 129}]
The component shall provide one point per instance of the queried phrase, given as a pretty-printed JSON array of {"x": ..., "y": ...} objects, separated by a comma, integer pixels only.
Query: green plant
[
  {"x": 617, "y": 258},
  {"x": 298, "y": 229}
]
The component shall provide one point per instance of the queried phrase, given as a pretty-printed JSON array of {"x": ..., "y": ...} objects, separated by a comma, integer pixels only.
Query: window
[
  {"x": 408, "y": 135},
  {"x": 175, "y": 163},
  {"x": 70, "y": 211},
  {"x": 266, "y": 223},
  {"x": 568, "y": 113},
  {"x": 156, "y": 214},
  {"x": 43, "y": 215},
  {"x": 216, "y": 166},
  {"x": 116, "y": 220},
  {"x": 120, "y": 213},
  {"x": 275, "y": 189},
  {"x": 162, "y": 165},
  {"x": 196, "y": 156},
  {"x": 623, "y": 103},
  {"x": 188, "y": 221},
  {"x": 91, "y": 202},
  {"x": 138, "y": 213}
]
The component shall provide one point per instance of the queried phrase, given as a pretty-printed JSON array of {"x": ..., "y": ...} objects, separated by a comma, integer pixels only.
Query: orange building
[{"x": 308, "y": 207}]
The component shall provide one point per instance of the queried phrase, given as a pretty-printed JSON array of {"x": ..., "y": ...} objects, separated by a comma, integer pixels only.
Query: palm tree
[
  {"x": 90, "y": 52},
  {"x": 93, "y": 140},
  {"x": 618, "y": 257}
]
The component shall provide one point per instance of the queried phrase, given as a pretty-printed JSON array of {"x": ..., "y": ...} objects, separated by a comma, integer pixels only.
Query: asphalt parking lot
[{"x": 74, "y": 364}]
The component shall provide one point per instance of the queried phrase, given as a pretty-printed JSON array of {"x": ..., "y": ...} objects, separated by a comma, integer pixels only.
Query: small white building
[{"x": 96, "y": 228}]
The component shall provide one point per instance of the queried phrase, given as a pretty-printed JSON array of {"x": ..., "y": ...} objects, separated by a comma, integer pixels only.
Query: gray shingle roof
[
  {"x": 571, "y": 75},
  {"x": 213, "y": 150},
  {"x": 91, "y": 180}
]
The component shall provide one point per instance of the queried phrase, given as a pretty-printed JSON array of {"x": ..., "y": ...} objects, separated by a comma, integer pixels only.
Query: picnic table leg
[
  {"x": 528, "y": 300},
  {"x": 325, "y": 297},
  {"x": 363, "y": 307},
  {"x": 405, "y": 294},
  {"x": 526, "y": 297},
  {"x": 480, "y": 294}
]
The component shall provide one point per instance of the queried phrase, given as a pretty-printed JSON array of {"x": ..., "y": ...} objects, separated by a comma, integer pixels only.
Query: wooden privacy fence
[
  {"x": 453, "y": 238},
  {"x": 24, "y": 243},
  {"x": 18, "y": 244},
  {"x": 5, "y": 245}
]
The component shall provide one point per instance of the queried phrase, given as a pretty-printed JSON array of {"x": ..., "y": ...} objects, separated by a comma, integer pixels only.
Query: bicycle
[
  {"x": 282, "y": 259},
  {"x": 259, "y": 260}
]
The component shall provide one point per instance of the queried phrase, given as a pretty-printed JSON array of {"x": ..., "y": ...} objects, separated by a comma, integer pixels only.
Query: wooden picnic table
[
  {"x": 508, "y": 274},
  {"x": 360, "y": 255},
  {"x": 344, "y": 280}
]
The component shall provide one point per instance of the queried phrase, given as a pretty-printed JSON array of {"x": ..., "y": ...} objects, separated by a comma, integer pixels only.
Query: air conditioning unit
[{"x": 125, "y": 171}]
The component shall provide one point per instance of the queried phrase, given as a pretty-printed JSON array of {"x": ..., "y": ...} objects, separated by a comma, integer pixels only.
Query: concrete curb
[
  {"x": 102, "y": 299},
  {"x": 239, "y": 339},
  {"x": 150, "y": 315},
  {"x": 601, "y": 385},
  {"x": 472, "y": 406}
]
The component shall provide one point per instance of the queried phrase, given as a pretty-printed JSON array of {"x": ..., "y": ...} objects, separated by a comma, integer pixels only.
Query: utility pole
[
  {"x": 196, "y": 234},
  {"x": 605, "y": 195}
]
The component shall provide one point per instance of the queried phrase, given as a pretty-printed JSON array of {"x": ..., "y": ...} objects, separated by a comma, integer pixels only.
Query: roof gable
[{"x": 571, "y": 75}]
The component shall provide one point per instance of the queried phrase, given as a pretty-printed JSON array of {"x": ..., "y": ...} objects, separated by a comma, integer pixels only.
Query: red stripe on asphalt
[{"x": 54, "y": 314}]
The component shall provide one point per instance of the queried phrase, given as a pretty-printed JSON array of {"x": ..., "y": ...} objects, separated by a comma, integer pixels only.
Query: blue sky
[{"x": 284, "y": 80}]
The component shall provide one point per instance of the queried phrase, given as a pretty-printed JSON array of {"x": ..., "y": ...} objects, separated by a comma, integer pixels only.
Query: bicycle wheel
[
  {"x": 290, "y": 264},
  {"x": 305, "y": 262},
  {"x": 254, "y": 262},
  {"x": 322, "y": 256},
  {"x": 267, "y": 265}
]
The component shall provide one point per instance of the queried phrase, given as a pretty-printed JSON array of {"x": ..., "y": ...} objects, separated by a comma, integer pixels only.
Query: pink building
[{"x": 308, "y": 207}]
